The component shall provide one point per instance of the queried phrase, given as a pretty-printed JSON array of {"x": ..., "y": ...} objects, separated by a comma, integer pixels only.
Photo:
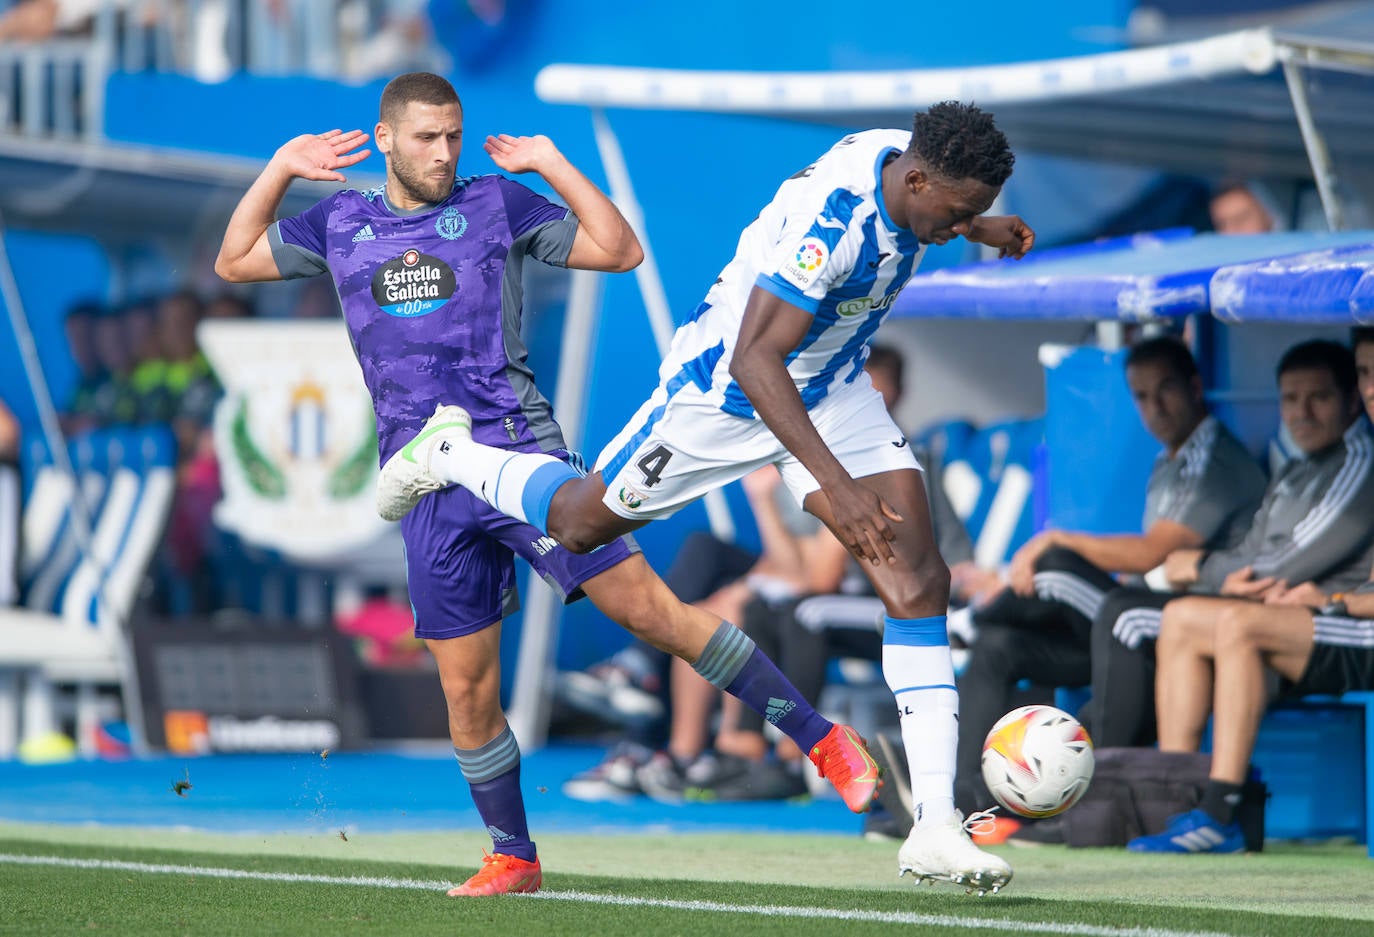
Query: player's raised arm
[
  {"x": 245, "y": 255},
  {"x": 604, "y": 240}
]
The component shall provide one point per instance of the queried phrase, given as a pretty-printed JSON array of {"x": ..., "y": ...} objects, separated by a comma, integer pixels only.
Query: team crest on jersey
[
  {"x": 631, "y": 499},
  {"x": 806, "y": 263},
  {"x": 413, "y": 284},
  {"x": 451, "y": 224}
]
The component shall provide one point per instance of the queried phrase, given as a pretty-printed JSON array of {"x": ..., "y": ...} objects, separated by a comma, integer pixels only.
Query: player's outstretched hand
[
  {"x": 521, "y": 154},
  {"x": 1008, "y": 233},
  {"x": 320, "y": 156},
  {"x": 863, "y": 521}
]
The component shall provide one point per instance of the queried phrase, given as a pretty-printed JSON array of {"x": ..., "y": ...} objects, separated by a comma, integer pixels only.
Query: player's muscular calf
[{"x": 580, "y": 520}]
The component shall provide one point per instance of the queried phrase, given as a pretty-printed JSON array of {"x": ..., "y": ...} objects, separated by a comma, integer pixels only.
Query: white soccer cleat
[
  {"x": 944, "y": 853},
  {"x": 406, "y": 476}
]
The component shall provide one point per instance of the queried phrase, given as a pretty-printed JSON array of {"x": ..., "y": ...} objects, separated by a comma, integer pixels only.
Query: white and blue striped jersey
[{"x": 824, "y": 243}]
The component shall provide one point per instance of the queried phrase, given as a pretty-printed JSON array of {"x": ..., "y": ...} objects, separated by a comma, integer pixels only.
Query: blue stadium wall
[{"x": 700, "y": 179}]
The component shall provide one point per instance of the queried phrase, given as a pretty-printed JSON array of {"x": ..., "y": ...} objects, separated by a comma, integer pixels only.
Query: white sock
[
  {"x": 920, "y": 673},
  {"x": 520, "y": 484}
]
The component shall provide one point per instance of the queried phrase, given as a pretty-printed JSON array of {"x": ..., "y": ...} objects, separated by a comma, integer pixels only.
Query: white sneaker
[
  {"x": 406, "y": 476},
  {"x": 944, "y": 853}
]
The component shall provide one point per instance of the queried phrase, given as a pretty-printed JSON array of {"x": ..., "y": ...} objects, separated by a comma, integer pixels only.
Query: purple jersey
[{"x": 433, "y": 300}]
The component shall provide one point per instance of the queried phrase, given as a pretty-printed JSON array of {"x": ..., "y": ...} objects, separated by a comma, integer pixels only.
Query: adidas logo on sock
[
  {"x": 499, "y": 835},
  {"x": 777, "y": 708},
  {"x": 364, "y": 234}
]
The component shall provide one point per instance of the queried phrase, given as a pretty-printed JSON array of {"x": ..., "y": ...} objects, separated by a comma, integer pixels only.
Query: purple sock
[
  {"x": 493, "y": 774},
  {"x": 733, "y": 663}
]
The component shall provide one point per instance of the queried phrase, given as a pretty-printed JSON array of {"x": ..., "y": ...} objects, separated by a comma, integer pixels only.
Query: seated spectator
[
  {"x": 117, "y": 336},
  {"x": 1316, "y": 523},
  {"x": 1236, "y": 208},
  {"x": 79, "y": 325},
  {"x": 176, "y": 386},
  {"x": 1202, "y": 490},
  {"x": 233, "y": 306},
  {"x": 1215, "y": 657}
]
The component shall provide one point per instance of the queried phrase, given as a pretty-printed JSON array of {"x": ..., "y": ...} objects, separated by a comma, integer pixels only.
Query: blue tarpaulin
[
  {"x": 1150, "y": 276},
  {"x": 1334, "y": 285}
]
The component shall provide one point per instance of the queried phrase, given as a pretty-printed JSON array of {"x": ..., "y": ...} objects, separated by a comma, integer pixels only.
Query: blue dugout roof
[{"x": 1164, "y": 274}]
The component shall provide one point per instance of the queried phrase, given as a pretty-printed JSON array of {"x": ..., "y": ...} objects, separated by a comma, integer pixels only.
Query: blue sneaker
[{"x": 1194, "y": 831}]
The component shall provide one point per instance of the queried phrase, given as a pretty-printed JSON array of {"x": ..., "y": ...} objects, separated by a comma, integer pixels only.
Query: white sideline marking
[{"x": 836, "y": 914}]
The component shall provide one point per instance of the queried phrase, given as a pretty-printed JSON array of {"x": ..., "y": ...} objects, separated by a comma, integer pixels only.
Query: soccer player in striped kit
[{"x": 769, "y": 369}]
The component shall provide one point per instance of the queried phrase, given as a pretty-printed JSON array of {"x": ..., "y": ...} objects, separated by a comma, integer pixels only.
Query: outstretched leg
[
  {"x": 632, "y": 595},
  {"x": 541, "y": 490}
]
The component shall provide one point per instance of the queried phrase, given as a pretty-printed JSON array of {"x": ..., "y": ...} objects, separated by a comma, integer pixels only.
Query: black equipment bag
[{"x": 1134, "y": 792}]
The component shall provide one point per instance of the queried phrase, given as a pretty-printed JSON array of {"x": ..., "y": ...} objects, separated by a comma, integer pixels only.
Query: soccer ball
[{"x": 1037, "y": 761}]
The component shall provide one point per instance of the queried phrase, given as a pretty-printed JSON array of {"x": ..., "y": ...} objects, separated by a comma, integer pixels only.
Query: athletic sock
[
  {"x": 521, "y": 484},
  {"x": 493, "y": 774},
  {"x": 1220, "y": 800},
  {"x": 733, "y": 663},
  {"x": 918, "y": 669}
]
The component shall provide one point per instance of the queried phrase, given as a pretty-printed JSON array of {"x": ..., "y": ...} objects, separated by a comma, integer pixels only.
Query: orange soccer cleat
[
  {"x": 501, "y": 875},
  {"x": 842, "y": 758}
]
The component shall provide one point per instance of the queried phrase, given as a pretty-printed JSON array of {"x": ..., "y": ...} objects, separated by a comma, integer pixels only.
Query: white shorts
[{"x": 678, "y": 447}]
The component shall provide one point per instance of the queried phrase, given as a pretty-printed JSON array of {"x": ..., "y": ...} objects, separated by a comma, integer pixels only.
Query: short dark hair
[
  {"x": 960, "y": 141},
  {"x": 413, "y": 87},
  {"x": 885, "y": 357},
  {"x": 1168, "y": 351},
  {"x": 1325, "y": 355},
  {"x": 1361, "y": 334}
]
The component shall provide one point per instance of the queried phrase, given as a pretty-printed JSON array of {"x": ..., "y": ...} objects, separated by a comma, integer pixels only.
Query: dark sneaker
[
  {"x": 738, "y": 779},
  {"x": 613, "y": 778},
  {"x": 612, "y": 692},
  {"x": 663, "y": 778},
  {"x": 1194, "y": 831}
]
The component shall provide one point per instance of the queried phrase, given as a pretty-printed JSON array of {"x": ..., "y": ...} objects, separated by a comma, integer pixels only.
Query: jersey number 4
[{"x": 652, "y": 465}]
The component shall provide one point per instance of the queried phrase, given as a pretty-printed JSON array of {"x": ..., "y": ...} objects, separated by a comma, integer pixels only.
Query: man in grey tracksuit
[{"x": 1316, "y": 523}]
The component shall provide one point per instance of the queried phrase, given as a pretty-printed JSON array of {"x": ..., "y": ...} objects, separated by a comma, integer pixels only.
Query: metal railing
[{"x": 55, "y": 88}]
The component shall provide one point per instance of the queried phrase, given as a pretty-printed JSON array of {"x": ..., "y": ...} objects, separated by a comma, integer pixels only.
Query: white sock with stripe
[
  {"x": 521, "y": 484},
  {"x": 920, "y": 673}
]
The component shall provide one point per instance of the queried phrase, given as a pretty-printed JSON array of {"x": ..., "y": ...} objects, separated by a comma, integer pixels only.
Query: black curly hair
[{"x": 960, "y": 141}]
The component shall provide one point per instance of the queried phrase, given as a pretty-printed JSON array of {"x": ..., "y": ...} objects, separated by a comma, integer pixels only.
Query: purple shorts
[{"x": 460, "y": 563}]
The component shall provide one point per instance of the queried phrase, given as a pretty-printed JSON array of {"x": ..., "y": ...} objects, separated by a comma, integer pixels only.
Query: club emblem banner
[{"x": 296, "y": 438}]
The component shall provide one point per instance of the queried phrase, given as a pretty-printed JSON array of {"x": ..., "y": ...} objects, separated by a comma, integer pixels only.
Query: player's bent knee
[{"x": 922, "y": 591}]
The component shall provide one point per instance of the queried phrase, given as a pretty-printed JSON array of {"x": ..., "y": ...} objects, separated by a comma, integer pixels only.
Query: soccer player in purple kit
[{"x": 428, "y": 273}]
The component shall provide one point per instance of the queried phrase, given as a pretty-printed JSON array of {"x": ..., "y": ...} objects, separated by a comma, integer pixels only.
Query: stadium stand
[{"x": 81, "y": 582}]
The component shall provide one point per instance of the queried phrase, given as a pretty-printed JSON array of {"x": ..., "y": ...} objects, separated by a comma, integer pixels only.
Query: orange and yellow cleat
[
  {"x": 501, "y": 875},
  {"x": 842, "y": 758}
]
